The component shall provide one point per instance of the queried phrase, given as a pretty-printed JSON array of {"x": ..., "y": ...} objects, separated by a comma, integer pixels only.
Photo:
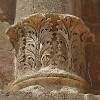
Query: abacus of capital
[{"x": 50, "y": 53}]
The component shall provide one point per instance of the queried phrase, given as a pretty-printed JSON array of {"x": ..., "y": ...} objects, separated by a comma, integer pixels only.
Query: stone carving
[
  {"x": 19, "y": 95},
  {"x": 50, "y": 45},
  {"x": 15, "y": 95}
]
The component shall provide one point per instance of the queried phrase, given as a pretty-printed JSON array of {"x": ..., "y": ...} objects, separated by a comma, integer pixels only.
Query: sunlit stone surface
[{"x": 50, "y": 53}]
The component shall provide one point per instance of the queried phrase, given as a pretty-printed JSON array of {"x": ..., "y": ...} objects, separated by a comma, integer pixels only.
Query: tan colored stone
[
  {"x": 90, "y": 13},
  {"x": 18, "y": 95},
  {"x": 15, "y": 95},
  {"x": 7, "y": 12},
  {"x": 23, "y": 9},
  {"x": 6, "y": 57},
  {"x": 50, "y": 50}
]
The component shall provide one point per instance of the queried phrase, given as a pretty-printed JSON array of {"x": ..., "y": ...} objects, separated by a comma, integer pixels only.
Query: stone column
[
  {"x": 28, "y": 7},
  {"x": 50, "y": 53}
]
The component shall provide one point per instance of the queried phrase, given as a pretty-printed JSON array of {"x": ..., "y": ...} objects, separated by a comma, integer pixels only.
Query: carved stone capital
[{"x": 50, "y": 49}]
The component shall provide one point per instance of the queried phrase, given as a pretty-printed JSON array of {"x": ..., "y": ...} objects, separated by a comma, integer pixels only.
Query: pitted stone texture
[
  {"x": 27, "y": 7},
  {"x": 65, "y": 96},
  {"x": 53, "y": 6},
  {"x": 17, "y": 95}
]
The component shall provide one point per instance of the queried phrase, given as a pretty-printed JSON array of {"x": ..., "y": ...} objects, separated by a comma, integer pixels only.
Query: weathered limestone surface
[
  {"x": 24, "y": 9},
  {"x": 15, "y": 95},
  {"x": 6, "y": 53},
  {"x": 50, "y": 53},
  {"x": 6, "y": 50},
  {"x": 18, "y": 95},
  {"x": 88, "y": 10}
]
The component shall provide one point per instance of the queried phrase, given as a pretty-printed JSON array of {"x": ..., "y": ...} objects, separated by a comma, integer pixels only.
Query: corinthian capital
[{"x": 50, "y": 47}]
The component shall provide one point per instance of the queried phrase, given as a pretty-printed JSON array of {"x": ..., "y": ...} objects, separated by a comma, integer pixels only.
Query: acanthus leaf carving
[{"x": 46, "y": 42}]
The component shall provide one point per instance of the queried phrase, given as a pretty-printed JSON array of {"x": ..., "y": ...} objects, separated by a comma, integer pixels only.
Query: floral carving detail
[{"x": 42, "y": 40}]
